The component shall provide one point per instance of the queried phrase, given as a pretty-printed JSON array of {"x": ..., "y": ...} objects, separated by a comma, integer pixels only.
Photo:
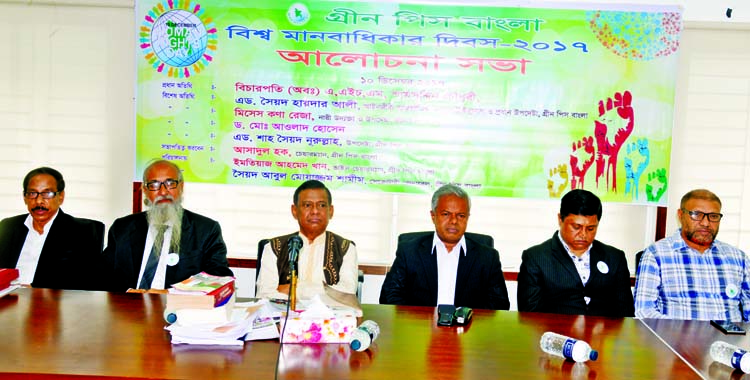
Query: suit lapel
[
  {"x": 15, "y": 244},
  {"x": 561, "y": 255},
  {"x": 187, "y": 232},
  {"x": 465, "y": 265},
  {"x": 597, "y": 255},
  {"x": 137, "y": 237},
  {"x": 56, "y": 235},
  {"x": 429, "y": 263}
]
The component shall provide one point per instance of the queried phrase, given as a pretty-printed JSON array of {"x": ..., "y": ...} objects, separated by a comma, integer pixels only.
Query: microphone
[{"x": 295, "y": 244}]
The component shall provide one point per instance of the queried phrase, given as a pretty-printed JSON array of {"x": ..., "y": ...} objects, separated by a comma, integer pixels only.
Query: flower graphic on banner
[{"x": 640, "y": 36}]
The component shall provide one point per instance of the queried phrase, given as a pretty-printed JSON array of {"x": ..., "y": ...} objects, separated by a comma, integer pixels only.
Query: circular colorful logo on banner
[{"x": 177, "y": 41}]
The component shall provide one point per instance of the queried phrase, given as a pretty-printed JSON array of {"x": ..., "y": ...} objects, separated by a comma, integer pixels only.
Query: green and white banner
[{"x": 524, "y": 102}]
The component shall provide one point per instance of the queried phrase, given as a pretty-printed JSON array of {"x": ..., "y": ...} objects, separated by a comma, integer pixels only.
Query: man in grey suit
[
  {"x": 166, "y": 244},
  {"x": 572, "y": 273},
  {"x": 446, "y": 267}
]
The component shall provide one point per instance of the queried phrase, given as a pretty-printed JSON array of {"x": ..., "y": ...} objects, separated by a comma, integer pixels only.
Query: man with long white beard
[{"x": 166, "y": 244}]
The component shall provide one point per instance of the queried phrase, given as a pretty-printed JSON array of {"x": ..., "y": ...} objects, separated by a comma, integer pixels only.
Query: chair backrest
[
  {"x": 638, "y": 261},
  {"x": 481, "y": 238},
  {"x": 261, "y": 244}
]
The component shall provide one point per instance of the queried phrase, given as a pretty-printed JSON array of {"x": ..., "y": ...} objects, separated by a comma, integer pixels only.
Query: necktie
[{"x": 153, "y": 260}]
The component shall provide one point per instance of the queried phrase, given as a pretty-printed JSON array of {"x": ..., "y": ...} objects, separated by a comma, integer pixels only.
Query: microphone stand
[{"x": 293, "y": 286}]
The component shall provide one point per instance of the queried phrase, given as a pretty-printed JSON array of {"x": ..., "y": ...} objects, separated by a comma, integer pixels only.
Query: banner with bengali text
[{"x": 525, "y": 102}]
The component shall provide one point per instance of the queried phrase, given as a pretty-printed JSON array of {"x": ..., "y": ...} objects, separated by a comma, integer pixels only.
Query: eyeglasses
[
  {"x": 44, "y": 194},
  {"x": 698, "y": 215},
  {"x": 156, "y": 185}
]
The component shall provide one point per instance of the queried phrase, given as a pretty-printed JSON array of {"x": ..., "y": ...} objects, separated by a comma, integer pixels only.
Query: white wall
[{"x": 66, "y": 100}]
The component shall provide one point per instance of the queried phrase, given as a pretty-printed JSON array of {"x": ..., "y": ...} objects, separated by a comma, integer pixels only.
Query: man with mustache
[
  {"x": 325, "y": 257},
  {"x": 50, "y": 248},
  {"x": 572, "y": 272},
  {"x": 691, "y": 275},
  {"x": 166, "y": 244}
]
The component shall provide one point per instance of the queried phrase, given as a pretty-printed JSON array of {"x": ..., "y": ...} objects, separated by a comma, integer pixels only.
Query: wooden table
[
  {"x": 69, "y": 334},
  {"x": 692, "y": 339}
]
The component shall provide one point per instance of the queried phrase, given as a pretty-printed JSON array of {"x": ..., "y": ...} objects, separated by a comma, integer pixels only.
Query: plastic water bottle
[
  {"x": 566, "y": 347},
  {"x": 730, "y": 355},
  {"x": 364, "y": 335}
]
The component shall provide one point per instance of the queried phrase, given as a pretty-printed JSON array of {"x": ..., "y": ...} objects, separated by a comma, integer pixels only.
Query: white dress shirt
[
  {"x": 31, "y": 250},
  {"x": 447, "y": 265}
]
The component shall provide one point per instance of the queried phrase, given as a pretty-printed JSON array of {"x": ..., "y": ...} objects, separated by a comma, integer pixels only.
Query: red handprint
[
  {"x": 608, "y": 147},
  {"x": 583, "y": 153}
]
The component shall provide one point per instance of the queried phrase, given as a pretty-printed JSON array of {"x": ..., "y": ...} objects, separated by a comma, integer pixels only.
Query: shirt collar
[
  {"x": 315, "y": 241},
  {"x": 461, "y": 243},
  {"x": 29, "y": 222}
]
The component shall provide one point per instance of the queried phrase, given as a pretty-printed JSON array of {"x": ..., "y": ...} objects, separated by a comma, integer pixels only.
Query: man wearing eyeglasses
[
  {"x": 691, "y": 275},
  {"x": 50, "y": 248},
  {"x": 166, "y": 244}
]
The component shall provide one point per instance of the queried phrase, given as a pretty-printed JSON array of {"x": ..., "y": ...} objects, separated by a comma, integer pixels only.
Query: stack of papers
[
  {"x": 230, "y": 333},
  {"x": 248, "y": 321}
]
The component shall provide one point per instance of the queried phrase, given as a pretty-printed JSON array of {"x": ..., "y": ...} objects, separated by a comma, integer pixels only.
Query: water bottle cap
[
  {"x": 171, "y": 318},
  {"x": 745, "y": 363},
  {"x": 593, "y": 355},
  {"x": 355, "y": 344}
]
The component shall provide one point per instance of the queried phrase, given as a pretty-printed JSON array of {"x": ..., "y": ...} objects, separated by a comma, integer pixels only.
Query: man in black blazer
[
  {"x": 50, "y": 248},
  {"x": 166, "y": 244},
  {"x": 446, "y": 267},
  {"x": 572, "y": 273}
]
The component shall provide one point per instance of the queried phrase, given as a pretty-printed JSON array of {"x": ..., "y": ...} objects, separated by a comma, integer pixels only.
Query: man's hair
[
  {"x": 699, "y": 194},
  {"x": 311, "y": 184},
  {"x": 157, "y": 161},
  {"x": 45, "y": 170},
  {"x": 449, "y": 189},
  {"x": 580, "y": 202}
]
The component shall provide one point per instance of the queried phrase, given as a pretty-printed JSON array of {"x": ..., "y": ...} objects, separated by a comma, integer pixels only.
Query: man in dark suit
[
  {"x": 166, "y": 244},
  {"x": 50, "y": 248},
  {"x": 572, "y": 273},
  {"x": 446, "y": 267}
]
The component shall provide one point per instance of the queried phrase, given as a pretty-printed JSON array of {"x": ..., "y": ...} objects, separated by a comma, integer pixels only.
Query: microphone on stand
[{"x": 295, "y": 244}]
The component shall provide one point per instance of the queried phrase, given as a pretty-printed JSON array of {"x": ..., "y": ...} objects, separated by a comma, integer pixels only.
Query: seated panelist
[
  {"x": 446, "y": 267},
  {"x": 50, "y": 249},
  {"x": 166, "y": 244},
  {"x": 572, "y": 273},
  {"x": 691, "y": 274},
  {"x": 324, "y": 258}
]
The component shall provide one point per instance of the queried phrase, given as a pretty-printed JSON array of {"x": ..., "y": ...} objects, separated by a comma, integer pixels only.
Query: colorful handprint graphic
[
  {"x": 580, "y": 161},
  {"x": 615, "y": 124},
  {"x": 656, "y": 185},
  {"x": 638, "y": 155},
  {"x": 558, "y": 180}
]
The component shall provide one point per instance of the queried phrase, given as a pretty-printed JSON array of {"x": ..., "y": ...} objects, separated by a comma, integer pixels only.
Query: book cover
[
  {"x": 201, "y": 291},
  {"x": 7, "y": 275}
]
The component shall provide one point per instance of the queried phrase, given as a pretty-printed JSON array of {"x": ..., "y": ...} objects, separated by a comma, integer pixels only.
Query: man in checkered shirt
[{"x": 691, "y": 275}]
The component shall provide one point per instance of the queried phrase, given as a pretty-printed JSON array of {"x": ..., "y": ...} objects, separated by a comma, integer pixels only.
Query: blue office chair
[{"x": 262, "y": 243}]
